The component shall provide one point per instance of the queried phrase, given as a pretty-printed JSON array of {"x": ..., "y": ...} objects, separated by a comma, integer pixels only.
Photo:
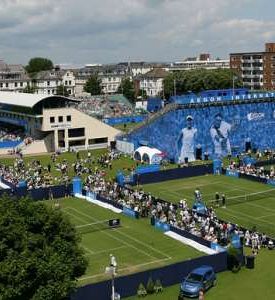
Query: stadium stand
[{"x": 49, "y": 123}]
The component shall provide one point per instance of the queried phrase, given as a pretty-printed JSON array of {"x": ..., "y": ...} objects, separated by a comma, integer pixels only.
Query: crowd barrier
[
  {"x": 57, "y": 191},
  {"x": 253, "y": 178},
  {"x": 173, "y": 174},
  {"x": 261, "y": 163},
  {"x": 169, "y": 275},
  {"x": 191, "y": 236}
]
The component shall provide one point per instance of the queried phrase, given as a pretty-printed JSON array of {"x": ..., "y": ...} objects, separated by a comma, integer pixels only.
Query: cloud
[{"x": 114, "y": 30}]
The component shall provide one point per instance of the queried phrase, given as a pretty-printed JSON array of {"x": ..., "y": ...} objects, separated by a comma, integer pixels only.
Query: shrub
[
  {"x": 141, "y": 292},
  {"x": 150, "y": 286}
]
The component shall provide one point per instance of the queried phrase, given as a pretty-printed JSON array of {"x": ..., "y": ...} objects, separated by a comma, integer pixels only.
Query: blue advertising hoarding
[{"x": 232, "y": 173}]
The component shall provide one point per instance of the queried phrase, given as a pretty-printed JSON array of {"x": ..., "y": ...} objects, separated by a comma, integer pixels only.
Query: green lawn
[
  {"x": 125, "y": 162},
  {"x": 136, "y": 244},
  {"x": 260, "y": 212},
  {"x": 248, "y": 284}
]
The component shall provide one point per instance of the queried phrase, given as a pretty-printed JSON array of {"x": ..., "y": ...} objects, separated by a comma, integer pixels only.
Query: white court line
[
  {"x": 88, "y": 250},
  {"x": 128, "y": 268},
  {"x": 266, "y": 216},
  {"x": 109, "y": 250},
  {"x": 112, "y": 236},
  {"x": 190, "y": 186},
  {"x": 246, "y": 215},
  {"x": 146, "y": 245}
]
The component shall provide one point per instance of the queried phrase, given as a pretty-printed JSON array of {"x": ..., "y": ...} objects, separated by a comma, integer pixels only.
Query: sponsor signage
[
  {"x": 129, "y": 212},
  {"x": 61, "y": 126},
  {"x": 255, "y": 116},
  {"x": 188, "y": 100},
  {"x": 162, "y": 226},
  {"x": 232, "y": 173}
]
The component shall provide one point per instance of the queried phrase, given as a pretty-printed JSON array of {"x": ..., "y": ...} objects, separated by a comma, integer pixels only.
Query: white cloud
[{"x": 112, "y": 30}]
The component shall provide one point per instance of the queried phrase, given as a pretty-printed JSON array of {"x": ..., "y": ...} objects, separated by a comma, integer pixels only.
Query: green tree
[
  {"x": 29, "y": 89},
  {"x": 127, "y": 89},
  {"x": 40, "y": 257},
  {"x": 38, "y": 64},
  {"x": 62, "y": 91},
  {"x": 93, "y": 85},
  {"x": 199, "y": 80},
  {"x": 142, "y": 94}
]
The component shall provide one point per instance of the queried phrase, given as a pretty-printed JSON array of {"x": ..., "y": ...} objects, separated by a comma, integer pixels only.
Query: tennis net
[
  {"x": 98, "y": 226},
  {"x": 268, "y": 194}
]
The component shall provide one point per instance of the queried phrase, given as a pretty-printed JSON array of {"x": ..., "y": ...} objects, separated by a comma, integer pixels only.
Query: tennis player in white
[
  {"x": 187, "y": 137},
  {"x": 220, "y": 136}
]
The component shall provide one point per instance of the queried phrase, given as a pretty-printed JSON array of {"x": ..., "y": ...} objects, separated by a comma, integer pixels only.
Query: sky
[{"x": 109, "y": 31}]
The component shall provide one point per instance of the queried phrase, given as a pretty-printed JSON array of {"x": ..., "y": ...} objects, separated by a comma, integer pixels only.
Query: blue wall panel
[{"x": 218, "y": 130}]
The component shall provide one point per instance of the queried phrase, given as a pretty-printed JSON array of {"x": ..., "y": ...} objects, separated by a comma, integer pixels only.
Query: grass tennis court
[
  {"x": 254, "y": 205},
  {"x": 136, "y": 245}
]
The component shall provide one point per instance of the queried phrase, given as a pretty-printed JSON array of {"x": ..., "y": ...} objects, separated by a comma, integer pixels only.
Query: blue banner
[
  {"x": 129, "y": 212},
  {"x": 208, "y": 98},
  {"x": 213, "y": 131},
  {"x": 217, "y": 247},
  {"x": 271, "y": 182},
  {"x": 162, "y": 226},
  {"x": 236, "y": 241},
  {"x": 91, "y": 195},
  {"x": 125, "y": 120},
  {"x": 232, "y": 173},
  {"x": 249, "y": 160},
  {"x": 147, "y": 169}
]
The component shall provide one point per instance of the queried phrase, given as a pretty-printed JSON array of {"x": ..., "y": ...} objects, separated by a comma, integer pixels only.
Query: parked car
[{"x": 203, "y": 277}]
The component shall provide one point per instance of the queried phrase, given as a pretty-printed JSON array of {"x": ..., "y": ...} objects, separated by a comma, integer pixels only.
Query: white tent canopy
[{"x": 147, "y": 154}]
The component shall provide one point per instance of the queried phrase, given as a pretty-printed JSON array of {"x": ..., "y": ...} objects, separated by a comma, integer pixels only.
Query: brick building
[{"x": 257, "y": 69}]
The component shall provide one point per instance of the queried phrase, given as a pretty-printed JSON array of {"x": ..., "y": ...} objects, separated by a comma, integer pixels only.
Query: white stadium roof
[{"x": 24, "y": 99}]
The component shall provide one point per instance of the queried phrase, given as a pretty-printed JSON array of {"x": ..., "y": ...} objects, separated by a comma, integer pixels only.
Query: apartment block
[{"x": 256, "y": 69}]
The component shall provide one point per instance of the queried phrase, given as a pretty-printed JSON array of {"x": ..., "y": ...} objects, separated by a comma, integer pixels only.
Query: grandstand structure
[
  {"x": 51, "y": 123},
  {"x": 214, "y": 124}
]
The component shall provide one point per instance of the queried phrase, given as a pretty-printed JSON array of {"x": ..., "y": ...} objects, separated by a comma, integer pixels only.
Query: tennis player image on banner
[
  {"x": 219, "y": 132},
  {"x": 187, "y": 140}
]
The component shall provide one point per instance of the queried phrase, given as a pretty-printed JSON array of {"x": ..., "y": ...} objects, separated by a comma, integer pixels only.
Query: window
[
  {"x": 52, "y": 120},
  {"x": 66, "y": 82},
  {"x": 15, "y": 84},
  {"x": 69, "y": 118},
  {"x": 76, "y": 132},
  {"x": 1, "y": 84},
  {"x": 70, "y": 82},
  {"x": 48, "y": 83},
  {"x": 60, "y": 119},
  {"x": 21, "y": 84},
  {"x": 7, "y": 85},
  {"x": 98, "y": 141},
  {"x": 49, "y": 92}
]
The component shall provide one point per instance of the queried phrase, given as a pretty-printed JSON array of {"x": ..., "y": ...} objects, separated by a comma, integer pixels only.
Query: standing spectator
[
  {"x": 201, "y": 294},
  {"x": 223, "y": 200}
]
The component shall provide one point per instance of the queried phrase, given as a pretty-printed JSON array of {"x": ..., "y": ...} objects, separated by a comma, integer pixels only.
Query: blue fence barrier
[
  {"x": 176, "y": 173},
  {"x": 190, "y": 236},
  {"x": 253, "y": 178},
  {"x": 271, "y": 182},
  {"x": 127, "y": 286},
  {"x": 162, "y": 226},
  {"x": 129, "y": 212},
  {"x": 147, "y": 169}
]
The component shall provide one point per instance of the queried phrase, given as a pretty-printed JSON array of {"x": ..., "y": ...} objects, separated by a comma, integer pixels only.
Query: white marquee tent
[{"x": 147, "y": 154}]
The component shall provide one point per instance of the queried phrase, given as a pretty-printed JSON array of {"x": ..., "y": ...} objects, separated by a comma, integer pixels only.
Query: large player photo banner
[{"x": 214, "y": 131}]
